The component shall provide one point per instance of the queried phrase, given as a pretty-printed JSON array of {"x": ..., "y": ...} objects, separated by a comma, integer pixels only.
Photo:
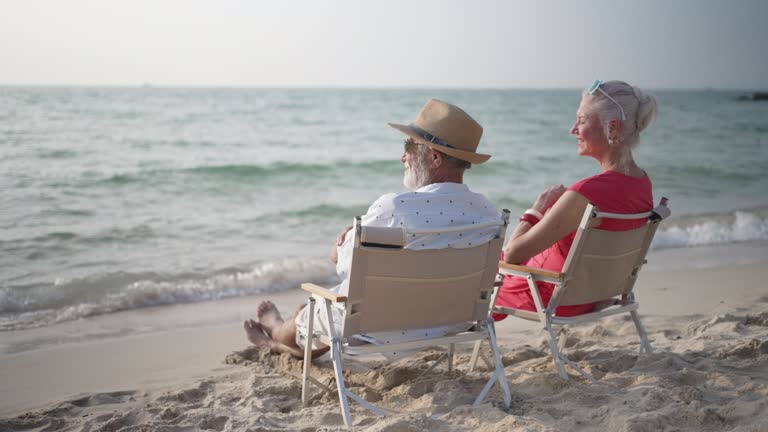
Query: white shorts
[{"x": 320, "y": 325}]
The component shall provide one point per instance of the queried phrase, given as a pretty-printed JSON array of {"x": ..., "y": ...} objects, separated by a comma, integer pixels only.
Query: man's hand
[{"x": 339, "y": 242}]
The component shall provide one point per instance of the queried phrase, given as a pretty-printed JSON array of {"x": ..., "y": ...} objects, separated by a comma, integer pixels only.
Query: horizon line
[{"x": 150, "y": 85}]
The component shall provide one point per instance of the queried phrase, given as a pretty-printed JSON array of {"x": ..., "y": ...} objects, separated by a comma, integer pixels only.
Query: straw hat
[{"x": 447, "y": 129}]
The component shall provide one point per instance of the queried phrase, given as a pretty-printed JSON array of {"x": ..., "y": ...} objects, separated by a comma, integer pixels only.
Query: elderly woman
[{"x": 608, "y": 124}]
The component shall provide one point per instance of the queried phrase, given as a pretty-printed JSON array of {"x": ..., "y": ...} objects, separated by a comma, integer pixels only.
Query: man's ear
[{"x": 436, "y": 158}]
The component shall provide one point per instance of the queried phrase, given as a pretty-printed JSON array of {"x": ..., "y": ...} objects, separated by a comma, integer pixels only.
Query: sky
[{"x": 686, "y": 44}]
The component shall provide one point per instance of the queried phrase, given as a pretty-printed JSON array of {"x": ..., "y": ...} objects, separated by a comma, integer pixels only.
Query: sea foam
[
  {"x": 18, "y": 312},
  {"x": 741, "y": 226}
]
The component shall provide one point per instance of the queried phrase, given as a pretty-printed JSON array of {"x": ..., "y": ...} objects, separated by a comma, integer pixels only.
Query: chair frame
[
  {"x": 340, "y": 346},
  {"x": 620, "y": 301}
]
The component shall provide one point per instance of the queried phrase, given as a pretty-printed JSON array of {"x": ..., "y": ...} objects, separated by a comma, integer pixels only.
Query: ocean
[{"x": 122, "y": 198}]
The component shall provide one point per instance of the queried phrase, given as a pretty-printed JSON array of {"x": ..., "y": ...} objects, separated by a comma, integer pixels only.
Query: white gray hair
[{"x": 640, "y": 109}]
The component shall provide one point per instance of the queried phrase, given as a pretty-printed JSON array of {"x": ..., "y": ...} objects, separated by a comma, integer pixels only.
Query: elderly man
[{"x": 441, "y": 145}]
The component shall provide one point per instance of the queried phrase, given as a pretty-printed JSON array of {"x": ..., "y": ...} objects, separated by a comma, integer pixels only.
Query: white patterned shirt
[{"x": 438, "y": 205}]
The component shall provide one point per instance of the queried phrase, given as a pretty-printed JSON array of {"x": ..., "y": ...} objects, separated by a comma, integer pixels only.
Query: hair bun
[{"x": 646, "y": 109}]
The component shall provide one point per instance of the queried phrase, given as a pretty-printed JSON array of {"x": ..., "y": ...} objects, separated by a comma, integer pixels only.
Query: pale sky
[{"x": 393, "y": 43}]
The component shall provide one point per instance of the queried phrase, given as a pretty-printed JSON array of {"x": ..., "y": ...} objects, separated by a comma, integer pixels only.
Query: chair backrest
[
  {"x": 393, "y": 288},
  {"x": 604, "y": 264}
]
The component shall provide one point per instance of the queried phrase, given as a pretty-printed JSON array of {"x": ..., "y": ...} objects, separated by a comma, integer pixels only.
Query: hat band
[{"x": 429, "y": 137}]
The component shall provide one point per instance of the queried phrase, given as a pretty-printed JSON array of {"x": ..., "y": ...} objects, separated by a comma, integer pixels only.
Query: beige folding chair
[
  {"x": 602, "y": 266},
  {"x": 393, "y": 288}
]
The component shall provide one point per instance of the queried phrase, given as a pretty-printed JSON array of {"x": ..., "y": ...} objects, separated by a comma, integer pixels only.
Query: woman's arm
[
  {"x": 562, "y": 219},
  {"x": 543, "y": 203}
]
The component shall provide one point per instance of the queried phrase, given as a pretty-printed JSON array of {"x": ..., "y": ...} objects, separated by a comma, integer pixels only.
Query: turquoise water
[{"x": 117, "y": 198}]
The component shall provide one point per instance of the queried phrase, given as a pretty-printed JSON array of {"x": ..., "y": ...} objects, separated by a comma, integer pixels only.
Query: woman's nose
[
  {"x": 402, "y": 158},
  {"x": 574, "y": 129}
]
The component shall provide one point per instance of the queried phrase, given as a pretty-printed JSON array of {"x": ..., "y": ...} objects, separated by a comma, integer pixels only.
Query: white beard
[{"x": 416, "y": 176}]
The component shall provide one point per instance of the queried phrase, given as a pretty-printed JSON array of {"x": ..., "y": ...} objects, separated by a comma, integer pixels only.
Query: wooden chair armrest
[
  {"x": 322, "y": 292},
  {"x": 526, "y": 269}
]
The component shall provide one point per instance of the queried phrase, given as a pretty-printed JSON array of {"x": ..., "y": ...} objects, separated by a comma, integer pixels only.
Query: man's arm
[
  {"x": 339, "y": 242},
  {"x": 378, "y": 214}
]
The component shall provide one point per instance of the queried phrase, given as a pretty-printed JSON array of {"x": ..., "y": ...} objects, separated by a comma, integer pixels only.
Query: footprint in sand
[
  {"x": 32, "y": 422},
  {"x": 748, "y": 349},
  {"x": 760, "y": 319},
  {"x": 214, "y": 423},
  {"x": 194, "y": 397},
  {"x": 104, "y": 399}
]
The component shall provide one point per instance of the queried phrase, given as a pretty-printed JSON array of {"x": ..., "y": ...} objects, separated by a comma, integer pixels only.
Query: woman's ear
[{"x": 615, "y": 129}]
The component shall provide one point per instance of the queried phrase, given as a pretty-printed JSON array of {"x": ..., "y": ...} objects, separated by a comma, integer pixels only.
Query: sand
[{"x": 142, "y": 370}]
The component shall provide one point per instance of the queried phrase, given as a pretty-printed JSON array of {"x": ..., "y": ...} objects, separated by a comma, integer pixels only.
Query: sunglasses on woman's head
[{"x": 595, "y": 87}]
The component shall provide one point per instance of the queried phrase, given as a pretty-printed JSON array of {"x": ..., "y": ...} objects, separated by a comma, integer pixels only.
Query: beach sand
[{"x": 189, "y": 367}]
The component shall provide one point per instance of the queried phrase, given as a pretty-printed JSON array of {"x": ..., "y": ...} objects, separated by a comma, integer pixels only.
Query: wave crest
[
  {"x": 741, "y": 226},
  {"x": 17, "y": 313}
]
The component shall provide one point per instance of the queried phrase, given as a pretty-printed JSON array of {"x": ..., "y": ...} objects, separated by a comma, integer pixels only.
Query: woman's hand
[
  {"x": 563, "y": 217},
  {"x": 548, "y": 198}
]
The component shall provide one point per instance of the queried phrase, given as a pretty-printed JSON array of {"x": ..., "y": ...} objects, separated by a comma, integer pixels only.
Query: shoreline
[{"x": 154, "y": 349}]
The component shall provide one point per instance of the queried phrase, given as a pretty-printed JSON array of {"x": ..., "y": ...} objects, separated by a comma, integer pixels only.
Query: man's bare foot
[
  {"x": 256, "y": 334},
  {"x": 269, "y": 316}
]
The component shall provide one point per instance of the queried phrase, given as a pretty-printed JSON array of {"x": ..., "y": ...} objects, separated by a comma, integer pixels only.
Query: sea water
[{"x": 122, "y": 198}]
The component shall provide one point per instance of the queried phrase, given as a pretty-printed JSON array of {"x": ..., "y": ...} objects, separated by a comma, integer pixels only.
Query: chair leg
[
  {"x": 562, "y": 339},
  {"x": 502, "y": 377},
  {"x": 561, "y": 360},
  {"x": 337, "y": 370},
  {"x": 498, "y": 374},
  {"x": 475, "y": 353},
  {"x": 308, "y": 353},
  {"x": 434, "y": 365},
  {"x": 337, "y": 367},
  {"x": 556, "y": 356},
  {"x": 344, "y": 393},
  {"x": 645, "y": 345}
]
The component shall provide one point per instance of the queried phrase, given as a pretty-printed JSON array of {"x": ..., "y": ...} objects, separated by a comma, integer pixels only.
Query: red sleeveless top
[{"x": 611, "y": 192}]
